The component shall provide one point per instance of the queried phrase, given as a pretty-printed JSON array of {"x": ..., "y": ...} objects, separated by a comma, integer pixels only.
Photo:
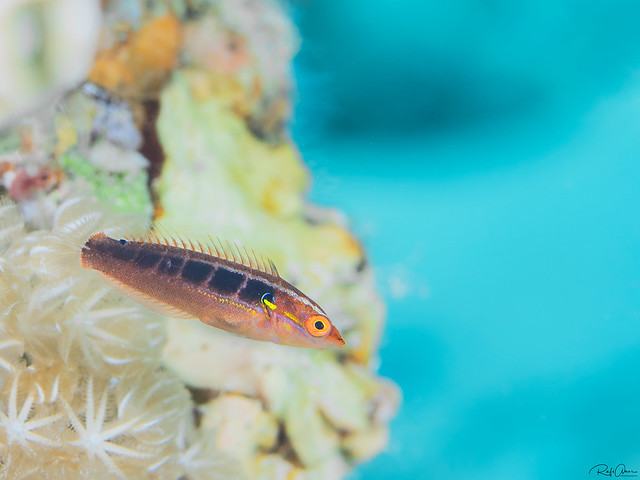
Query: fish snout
[{"x": 335, "y": 338}]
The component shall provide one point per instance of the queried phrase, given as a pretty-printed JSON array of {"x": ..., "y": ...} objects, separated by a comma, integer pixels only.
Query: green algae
[{"x": 124, "y": 191}]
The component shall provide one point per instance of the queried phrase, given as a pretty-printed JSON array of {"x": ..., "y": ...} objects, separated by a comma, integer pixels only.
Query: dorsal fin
[
  {"x": 214, "y": 247},
  {"x": 274, "y": 270}
]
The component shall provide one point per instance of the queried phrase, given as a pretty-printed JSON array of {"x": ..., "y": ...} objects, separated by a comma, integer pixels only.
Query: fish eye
[
  {"x": 123, "y": 241},
  {"x": 269, "y": 300},
  {"x": 318, "y": 325}
]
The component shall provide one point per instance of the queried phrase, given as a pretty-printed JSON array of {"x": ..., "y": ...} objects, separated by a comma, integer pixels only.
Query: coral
[
  {"x": 183, "y": 125},
  {"x": 45, "y": 48},
  {"x": 83, "y": 392},
  {"x": 17, "y": 427},
  {"x": 330, "y": 405},
  {"x": 242, "y": 52},
  {"x": 142, "y": 61},
  {"x": 84, "y": 144},
  {"x": 127, "y": 188}
]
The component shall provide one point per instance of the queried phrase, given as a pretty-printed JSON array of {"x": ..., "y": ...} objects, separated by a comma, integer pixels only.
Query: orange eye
[{"x": 318, "y": 325}]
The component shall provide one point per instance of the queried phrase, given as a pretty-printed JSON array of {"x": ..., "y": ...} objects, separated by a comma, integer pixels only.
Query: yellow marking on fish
[
  {"x": 292, "y": 317},
  {"x": 229, "y": 302},
  {"x": 269, "y": 304}
]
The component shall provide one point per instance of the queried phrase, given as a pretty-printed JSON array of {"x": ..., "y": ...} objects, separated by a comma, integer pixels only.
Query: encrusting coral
[
  {"x": 83, "y": 394},
  {"x": 182, "y": 124}
]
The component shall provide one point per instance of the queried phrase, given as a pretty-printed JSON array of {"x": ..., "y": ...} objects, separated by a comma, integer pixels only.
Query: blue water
[{"x": 505, "y": 232}]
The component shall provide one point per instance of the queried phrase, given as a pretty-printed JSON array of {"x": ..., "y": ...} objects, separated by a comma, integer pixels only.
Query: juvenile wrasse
[{"x": 220, "y": 287}]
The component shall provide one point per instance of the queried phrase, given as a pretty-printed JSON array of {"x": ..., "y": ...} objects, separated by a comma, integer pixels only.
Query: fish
[{"x": 223, "y": 287}]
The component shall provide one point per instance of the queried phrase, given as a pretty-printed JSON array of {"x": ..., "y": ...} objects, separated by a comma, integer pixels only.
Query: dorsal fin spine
[
  {"x": 249, "y": 257},
  {"x": 230, "y": 248},
  {"x": 236, "y": 252},
  {"x": 264, "y": 262},
  {"x": 212, "y": 243},
  {"x": 255, "y": 258},
  {"x": 223, "y": 253},
  {"x": 245, "y": 259},
  {"x": 215, "y": 246},
  {"x": 274, "y": 270}
]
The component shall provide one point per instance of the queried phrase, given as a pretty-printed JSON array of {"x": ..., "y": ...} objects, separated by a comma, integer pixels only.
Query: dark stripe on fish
[
  {"x": 147, "y": 260},
  {"x": 226, "y": 281},
  {"x": 196, "y": 271},
  {"x": 171, "y": 265},
  {"x": 254, "y": 290},
  {"x": 125, "y": 253}
]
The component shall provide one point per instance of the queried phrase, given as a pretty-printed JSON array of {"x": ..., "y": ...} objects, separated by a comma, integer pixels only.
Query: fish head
[{"x": 297, "y": 321}]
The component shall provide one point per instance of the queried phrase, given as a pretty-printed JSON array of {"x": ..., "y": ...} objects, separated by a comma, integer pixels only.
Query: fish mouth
[{"x": 335, "y": 338}]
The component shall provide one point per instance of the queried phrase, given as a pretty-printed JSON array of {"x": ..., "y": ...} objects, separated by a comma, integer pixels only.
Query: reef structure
[{"x": 181, "y": 121}]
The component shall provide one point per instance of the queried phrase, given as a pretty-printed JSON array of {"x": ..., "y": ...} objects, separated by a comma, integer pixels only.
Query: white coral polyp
[
  {"x": 82, "y": 391},
  {"x": 19, "y": 424}
]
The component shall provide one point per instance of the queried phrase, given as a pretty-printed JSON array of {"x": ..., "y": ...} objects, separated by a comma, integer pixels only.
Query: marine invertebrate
[
  {"x": 19, "y": 427},
  {"x": 97, "y": 434},
  {"x": 82, "y": 392}
]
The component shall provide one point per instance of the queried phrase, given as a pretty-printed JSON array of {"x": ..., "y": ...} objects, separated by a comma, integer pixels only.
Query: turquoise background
[{"x": 488, "y": 153}]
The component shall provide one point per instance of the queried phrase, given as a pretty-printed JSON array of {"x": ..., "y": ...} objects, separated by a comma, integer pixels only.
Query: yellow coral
[
  {"x": 240, "y": 187},
  {"x": 139, "y": 65}
]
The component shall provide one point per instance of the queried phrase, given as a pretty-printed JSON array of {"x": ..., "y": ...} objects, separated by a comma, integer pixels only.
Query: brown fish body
[{"x": 245, "y": 300}]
